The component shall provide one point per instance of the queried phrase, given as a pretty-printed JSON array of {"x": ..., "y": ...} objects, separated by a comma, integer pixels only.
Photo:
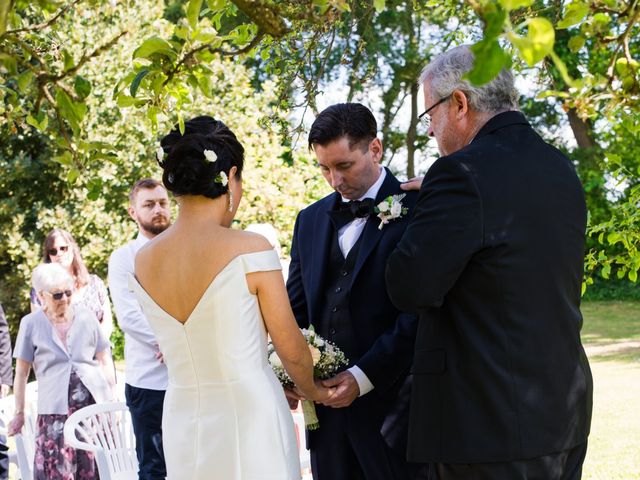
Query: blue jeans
[{"x": 146, "y": 416}]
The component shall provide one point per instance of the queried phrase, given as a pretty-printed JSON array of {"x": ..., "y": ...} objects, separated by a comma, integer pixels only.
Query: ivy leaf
[
  {"x": 133, "y": 89},
  {"x": 489, "y": 60},
  {"x": 155, "y": 46},
  {"x": 379, "y": 5},
  {"x": 193, "y": 11},
  {"x": 573, "y": 14}
]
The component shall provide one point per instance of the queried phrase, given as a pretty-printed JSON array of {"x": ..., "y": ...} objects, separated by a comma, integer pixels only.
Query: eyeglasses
[
  {"x": 54, "y": 251},
  {"x": 59, "y": 295},
  {"x": 423, "y": 116}
]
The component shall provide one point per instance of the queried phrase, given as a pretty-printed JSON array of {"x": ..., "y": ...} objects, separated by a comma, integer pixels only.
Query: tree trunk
[
  {"x": 582, "y": 131},
  {"x": 412, "y": 132}
]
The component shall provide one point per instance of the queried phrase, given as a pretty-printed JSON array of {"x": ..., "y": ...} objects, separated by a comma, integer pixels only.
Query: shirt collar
[{"x": 373, "y": 189}]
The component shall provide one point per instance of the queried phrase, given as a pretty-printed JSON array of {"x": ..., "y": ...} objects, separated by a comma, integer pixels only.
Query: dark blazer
[
  {"x": 6, "y": 370},
  {"x": 383, "y": 336},
  {"x": 492, "y": 261}
]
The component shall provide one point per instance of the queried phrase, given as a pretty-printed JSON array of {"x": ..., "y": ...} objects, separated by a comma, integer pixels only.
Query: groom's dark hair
[{"x": 351, "y": 120}]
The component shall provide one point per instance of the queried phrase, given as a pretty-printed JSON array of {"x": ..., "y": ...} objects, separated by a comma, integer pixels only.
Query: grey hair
[
  {"x": 50, "y": 276},
  {"x": 445, "y": 73}
]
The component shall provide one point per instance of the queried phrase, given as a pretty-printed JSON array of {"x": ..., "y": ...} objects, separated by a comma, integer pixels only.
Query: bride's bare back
[{"x": 178, "y": 266}]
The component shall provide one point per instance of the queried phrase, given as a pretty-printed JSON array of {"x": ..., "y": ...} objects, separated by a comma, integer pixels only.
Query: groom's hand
[
  {"x": 292, "y": 397},
  {"x": 346, "y": 390}
]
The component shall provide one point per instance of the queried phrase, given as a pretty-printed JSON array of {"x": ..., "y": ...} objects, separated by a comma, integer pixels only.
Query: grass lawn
[{"x": 611, "y": 335}]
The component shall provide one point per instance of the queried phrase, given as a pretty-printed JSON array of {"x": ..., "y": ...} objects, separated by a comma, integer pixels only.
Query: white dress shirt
[
  {"x": 347, "y": 238},
  {"x": 143, "y": 369}
]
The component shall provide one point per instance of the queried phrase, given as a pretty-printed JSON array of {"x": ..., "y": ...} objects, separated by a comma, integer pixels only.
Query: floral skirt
[{"x": 54, "y": 460}]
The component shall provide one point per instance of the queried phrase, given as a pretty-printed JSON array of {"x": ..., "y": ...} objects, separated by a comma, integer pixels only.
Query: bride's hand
[{"x": 323, "y": 394}]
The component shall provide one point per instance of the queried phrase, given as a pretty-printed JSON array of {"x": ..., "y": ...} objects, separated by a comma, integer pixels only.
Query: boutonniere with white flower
[{"x": 390, "y": 209}]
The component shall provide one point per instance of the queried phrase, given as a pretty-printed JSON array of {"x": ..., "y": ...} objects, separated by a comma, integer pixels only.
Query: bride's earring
[{"x": 230, "y": 200}]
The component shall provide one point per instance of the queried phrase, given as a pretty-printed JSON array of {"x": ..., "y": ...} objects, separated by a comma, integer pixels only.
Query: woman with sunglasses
[
  {"x": 90, "y": 290},
  {"x": 71, "y": 361}
]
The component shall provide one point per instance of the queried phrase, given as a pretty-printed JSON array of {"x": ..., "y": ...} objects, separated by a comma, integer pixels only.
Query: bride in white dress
[{"x": 211, "y": 295}]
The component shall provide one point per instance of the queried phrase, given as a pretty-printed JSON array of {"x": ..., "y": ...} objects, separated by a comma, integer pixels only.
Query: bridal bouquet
[{"x": 327, "y": 359}]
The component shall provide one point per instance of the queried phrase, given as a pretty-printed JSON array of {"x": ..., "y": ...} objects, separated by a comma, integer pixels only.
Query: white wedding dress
[{"x": 225, "y": 414}]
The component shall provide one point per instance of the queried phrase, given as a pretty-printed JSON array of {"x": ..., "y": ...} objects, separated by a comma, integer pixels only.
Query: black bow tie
[{"x": 347, "y": 212}]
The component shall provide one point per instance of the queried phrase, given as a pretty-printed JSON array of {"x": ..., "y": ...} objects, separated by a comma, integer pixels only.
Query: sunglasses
[
  {"x": 59, "y": 295},
  {"x": 54, "y": 251}
]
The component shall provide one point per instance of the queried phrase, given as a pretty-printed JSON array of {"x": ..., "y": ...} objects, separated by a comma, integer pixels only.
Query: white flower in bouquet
[
  {"x": 327, "y": 361},
  {"x": 274, "y": 359},
  {"x": 315, "y": 354}
]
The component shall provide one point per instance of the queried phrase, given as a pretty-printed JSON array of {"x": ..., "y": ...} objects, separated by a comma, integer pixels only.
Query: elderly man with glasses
[{"x": 492, "y": 261}]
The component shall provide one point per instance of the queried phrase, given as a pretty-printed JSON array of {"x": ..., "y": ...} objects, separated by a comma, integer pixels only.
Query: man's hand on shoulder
[
  {"x": 347, "y": 390},
  {"x": 412, "y": 184}
]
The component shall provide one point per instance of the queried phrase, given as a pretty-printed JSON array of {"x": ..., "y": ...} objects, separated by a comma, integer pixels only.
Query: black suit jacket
[
  {"x": 383, "y": 335},
  {"x": 492, "y": 261}
]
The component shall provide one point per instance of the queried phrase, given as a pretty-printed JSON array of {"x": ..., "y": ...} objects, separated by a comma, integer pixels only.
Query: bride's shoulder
[{"x": 250, "y": 242}]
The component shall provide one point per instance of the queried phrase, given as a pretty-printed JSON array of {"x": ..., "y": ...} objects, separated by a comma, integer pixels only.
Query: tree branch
[
  {"x": 42, "y": 26},
  {"x": 207, "y": 46}
]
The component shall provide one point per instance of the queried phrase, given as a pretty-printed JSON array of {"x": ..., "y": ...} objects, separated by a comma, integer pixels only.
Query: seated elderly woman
[{"x": 71, "y": 361}]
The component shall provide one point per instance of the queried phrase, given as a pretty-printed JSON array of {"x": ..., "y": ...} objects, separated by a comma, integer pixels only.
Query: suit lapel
[
  {"x": 320, "y": 250},
  {"x": 371, "y": 234}
]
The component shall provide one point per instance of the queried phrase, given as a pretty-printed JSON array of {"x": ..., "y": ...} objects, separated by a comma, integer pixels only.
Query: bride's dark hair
[{"x": 186, "y": 169}]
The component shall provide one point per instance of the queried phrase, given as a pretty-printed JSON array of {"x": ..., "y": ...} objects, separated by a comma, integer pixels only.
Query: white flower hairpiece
[
  {"x": 159, "y": 154},
  {"x": 210, "y": 156},
  {"x": 223, "y": 179}
]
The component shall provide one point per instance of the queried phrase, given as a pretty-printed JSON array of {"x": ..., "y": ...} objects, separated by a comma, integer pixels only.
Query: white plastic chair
[
  {"x": 25, "y": 441},
  {"x": 105, "y": 429},
  {"x": 301, "y": 434}
]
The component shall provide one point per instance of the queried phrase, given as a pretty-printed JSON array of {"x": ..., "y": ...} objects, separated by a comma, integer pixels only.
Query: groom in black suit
[
  {"x": 492, "y": 260},
  {"x": 336, "y": 284}
]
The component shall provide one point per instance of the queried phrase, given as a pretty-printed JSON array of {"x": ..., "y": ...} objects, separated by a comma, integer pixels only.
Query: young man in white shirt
[{"x": 146, "y": 374}]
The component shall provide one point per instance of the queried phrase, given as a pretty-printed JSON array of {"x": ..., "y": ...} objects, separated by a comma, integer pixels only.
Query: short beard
[{"x": 155, "y": 228}]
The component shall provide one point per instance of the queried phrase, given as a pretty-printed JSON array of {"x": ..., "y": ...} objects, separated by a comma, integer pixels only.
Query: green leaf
[
  {"x": 73, "y": 175},
  {"x": 82, "y": 86},
  {"x": 193, "y": 11},
  {"x": 379, "y": 5},
  {"x": 155, "y": 46},
  {"x": 24, "y": 79},
  {"x": 5, "y": 7},
  {"x": 69, "y": 62},
  {"x": 215, "y": 5},
  {"x": 40, "y": 121},
  {"x": 124, "y": 101},
  {"x": 538, "y": 43},
  {"x": 133, "y": 89},
  {"x": 489, "y": 60},
  {"x": 573, "y": 14},
  {"x": 65, "y": 159},
  {"x": 515, "y": 4},
  {"x": 606, "y": 271},
  {"x": 633, "y": 275},
  {"x": 73, "y": 112},
  {"x": 181, "y": 124},
  {"x": 576, "y": 43}
]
